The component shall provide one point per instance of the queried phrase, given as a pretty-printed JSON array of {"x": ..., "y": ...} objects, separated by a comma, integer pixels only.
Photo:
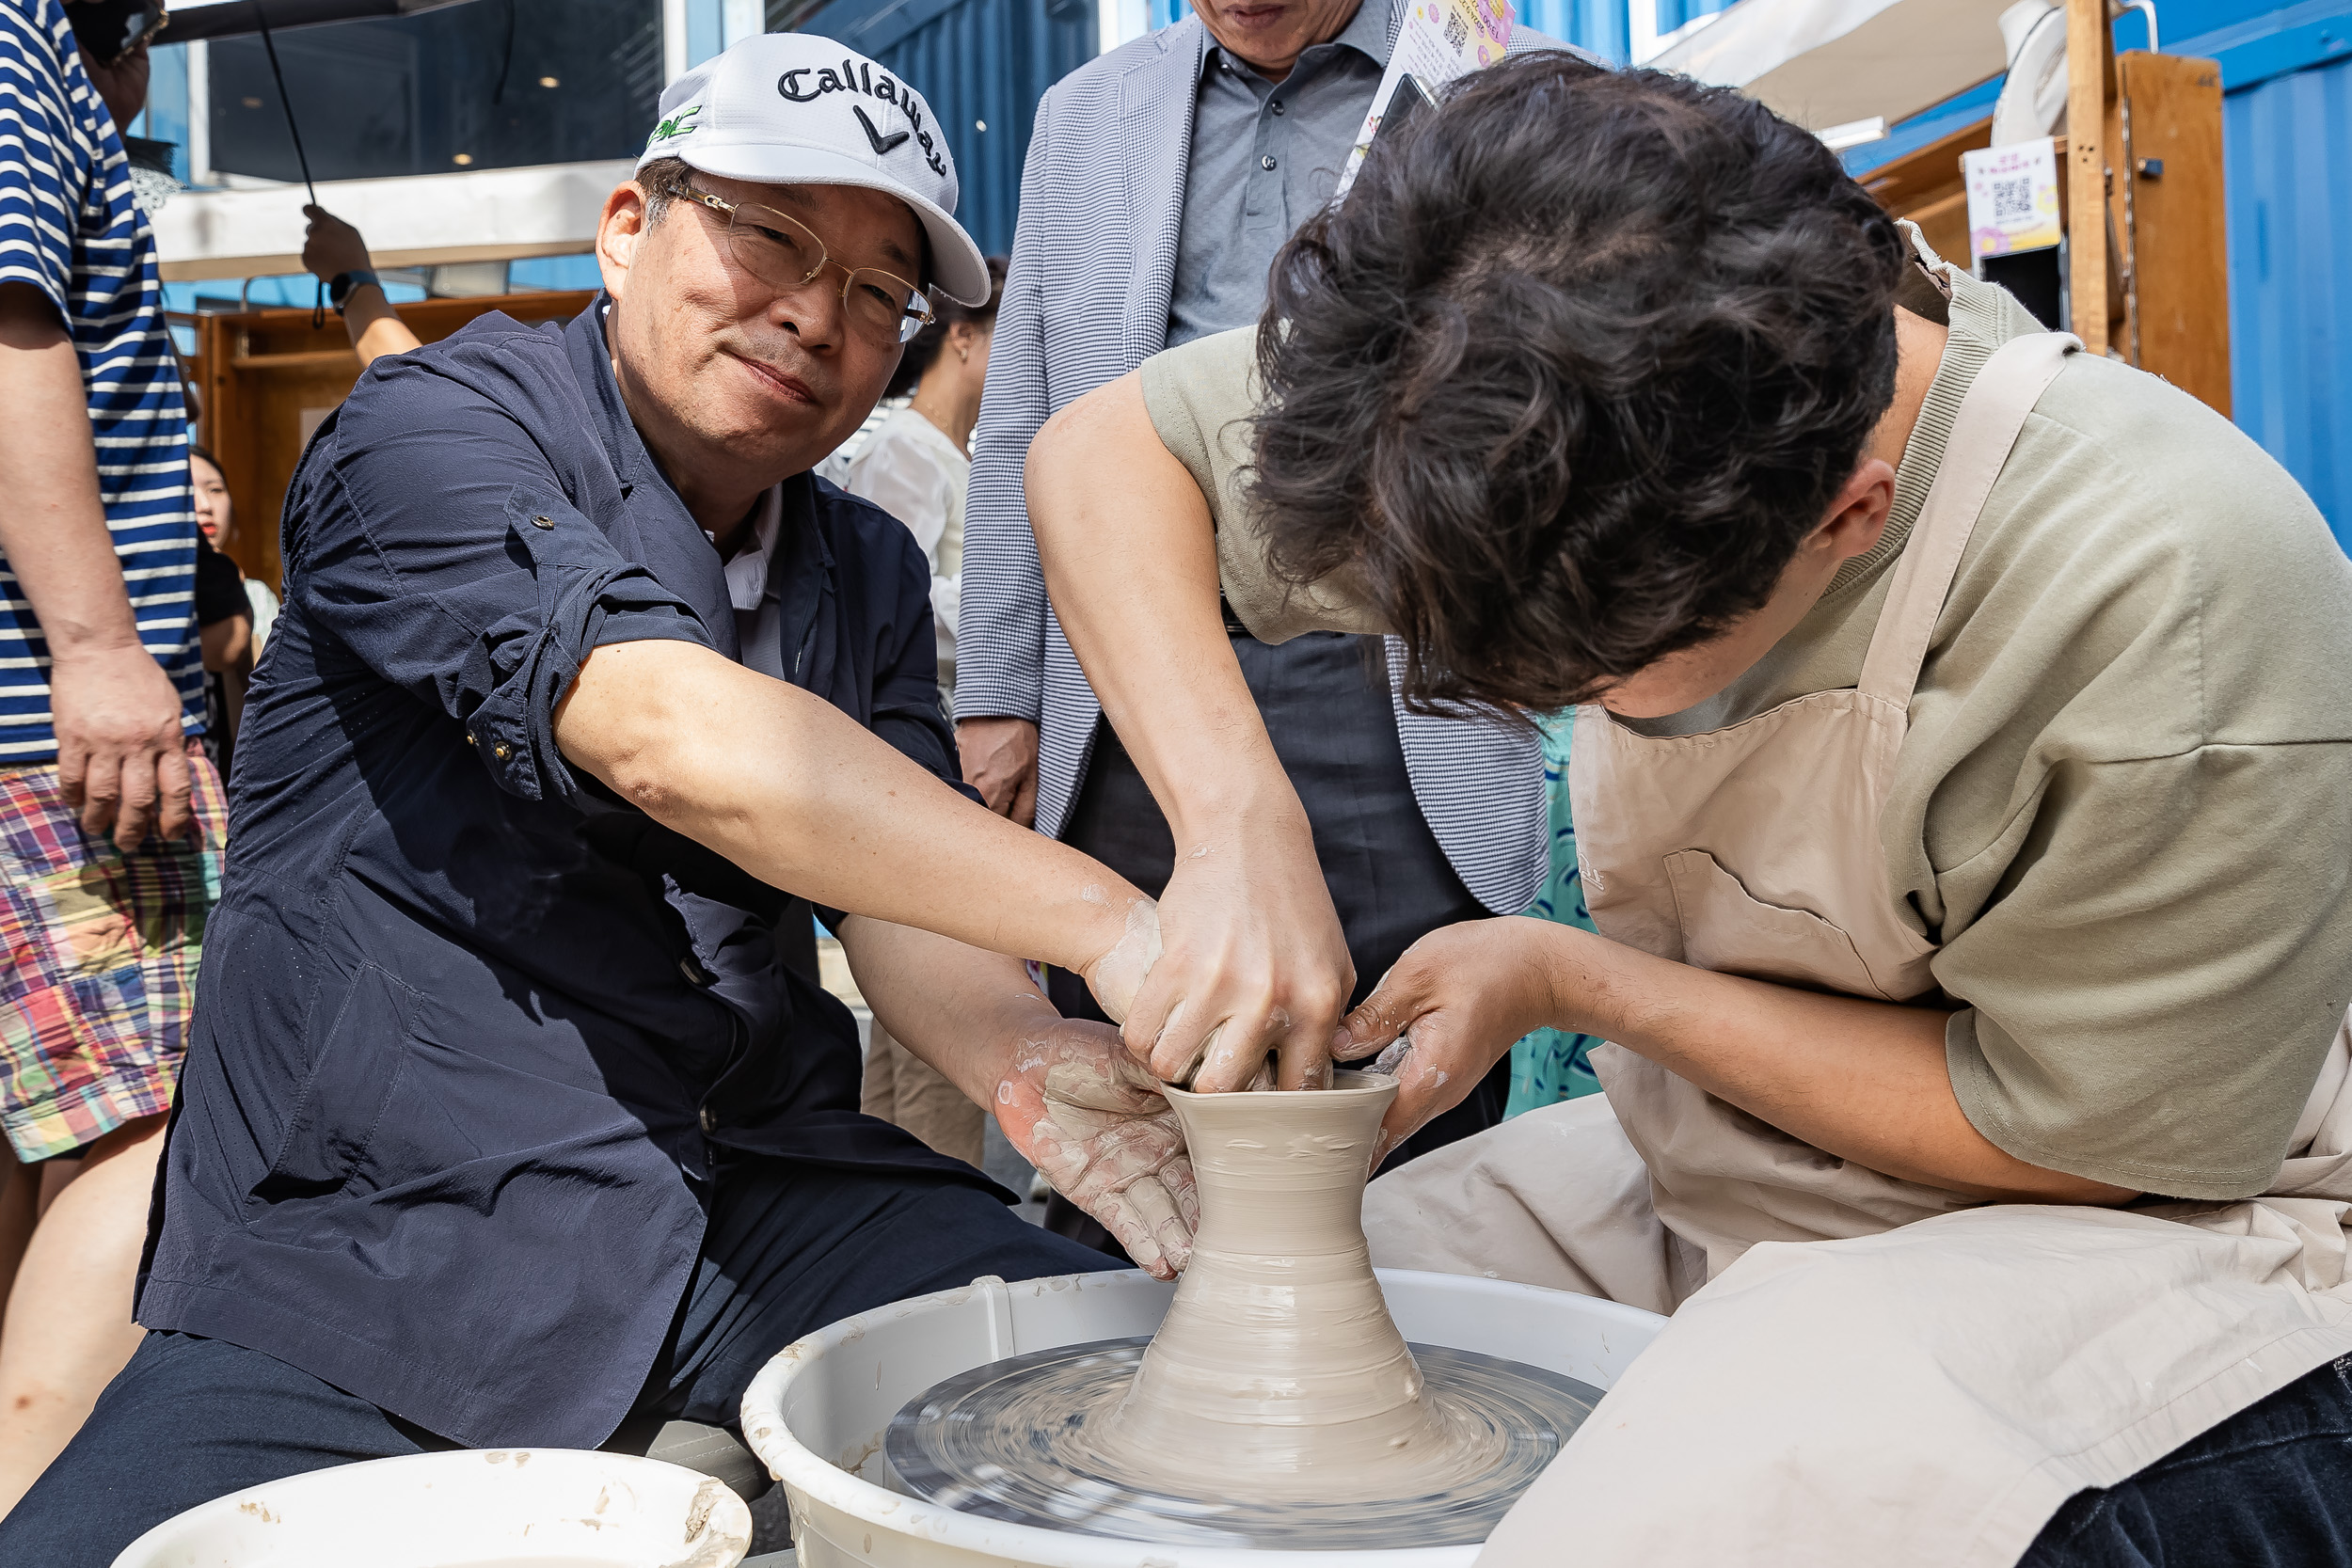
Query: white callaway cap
[{"x": 795, "y": 109}]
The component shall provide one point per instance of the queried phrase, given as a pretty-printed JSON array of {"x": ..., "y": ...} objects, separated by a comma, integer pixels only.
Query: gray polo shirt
[{"x": 1264, "y": 156}]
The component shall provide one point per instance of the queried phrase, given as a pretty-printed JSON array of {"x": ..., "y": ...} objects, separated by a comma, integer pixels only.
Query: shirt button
[
  {"x": 1267, "y": 162},
  {"x": 1277, "y": 106},
  {"x": 470, "y": 740},
  {"x": 710, "y": 1120},
  {"x": 499, "y": 751},
  {"x": 542, "y": 522}
]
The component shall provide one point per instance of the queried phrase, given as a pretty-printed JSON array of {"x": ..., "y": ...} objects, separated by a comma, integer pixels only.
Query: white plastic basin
[
  {"x": 817, "y": 1413},
  {"x": 496, "y": 1508}
]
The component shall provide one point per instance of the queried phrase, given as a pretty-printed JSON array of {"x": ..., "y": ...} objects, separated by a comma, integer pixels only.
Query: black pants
[
  {"x": 2271, "y": 1487},
  {"x": 789, "y": 1249},
  {"x": 1324, "y": 699}
]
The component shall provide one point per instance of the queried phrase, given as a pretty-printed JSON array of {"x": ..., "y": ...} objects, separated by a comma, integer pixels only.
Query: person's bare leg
[{"x": 69, "y": 1329}]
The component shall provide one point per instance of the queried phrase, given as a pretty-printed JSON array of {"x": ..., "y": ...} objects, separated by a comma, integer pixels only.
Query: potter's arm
[
  {"x": 1253, "y": 959},
  {"x": 1865, "y": 1080},
  {"x": 1068, "y": 1097},
  {"x": 801, "y": 795}
]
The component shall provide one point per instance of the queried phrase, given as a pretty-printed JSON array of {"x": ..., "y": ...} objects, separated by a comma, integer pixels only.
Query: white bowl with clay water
[
  {"x": 818, "y": 1414},
  {"x": 495, "y": 1507}
]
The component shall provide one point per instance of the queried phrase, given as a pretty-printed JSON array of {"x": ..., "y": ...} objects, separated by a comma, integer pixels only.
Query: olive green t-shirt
[{"x": 2124, "y": 804}]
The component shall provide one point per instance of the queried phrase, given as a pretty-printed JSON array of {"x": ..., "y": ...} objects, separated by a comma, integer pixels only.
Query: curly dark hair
[{"x": 1560, "y": 386}]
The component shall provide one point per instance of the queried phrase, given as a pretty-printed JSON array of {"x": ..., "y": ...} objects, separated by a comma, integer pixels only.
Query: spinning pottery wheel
[{"x": 1278, "y": 1406}]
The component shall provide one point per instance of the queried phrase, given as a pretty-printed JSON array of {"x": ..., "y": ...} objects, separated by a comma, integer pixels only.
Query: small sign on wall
[{"x": 2012, "y": 198}]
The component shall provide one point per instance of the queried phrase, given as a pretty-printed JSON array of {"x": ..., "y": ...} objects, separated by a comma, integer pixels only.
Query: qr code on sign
[
  {"x": 2012, "y": 200},
  {"x": 1457, "y": 30}
]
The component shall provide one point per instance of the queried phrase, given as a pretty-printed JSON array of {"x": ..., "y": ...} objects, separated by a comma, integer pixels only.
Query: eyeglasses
[{"x": 785, "y": 254}]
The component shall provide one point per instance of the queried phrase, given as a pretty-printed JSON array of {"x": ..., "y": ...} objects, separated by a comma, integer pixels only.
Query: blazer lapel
[{"x": 1156, "y": 99}]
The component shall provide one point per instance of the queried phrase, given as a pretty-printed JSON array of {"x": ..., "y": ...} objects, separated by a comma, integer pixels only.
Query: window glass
[{"x": 469, "y": 87}]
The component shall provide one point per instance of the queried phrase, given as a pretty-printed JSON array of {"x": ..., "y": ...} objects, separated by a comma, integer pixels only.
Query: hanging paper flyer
[
  {"x": 1439, "y": 40},
  {"x": 2012, "y": 198}
]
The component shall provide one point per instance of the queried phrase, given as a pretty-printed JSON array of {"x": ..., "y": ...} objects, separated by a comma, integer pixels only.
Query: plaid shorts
[{"x": 98, "y": 957}]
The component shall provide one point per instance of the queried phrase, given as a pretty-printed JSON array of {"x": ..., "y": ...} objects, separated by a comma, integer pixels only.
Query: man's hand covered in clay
[
  {"x": 1448, "y": 1010},
  {"x": 1081, "y": 1111}
]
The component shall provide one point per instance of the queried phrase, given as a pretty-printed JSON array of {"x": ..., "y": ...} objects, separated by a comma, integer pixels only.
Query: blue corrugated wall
[
  {"x": 981, "y": 65},
  {"x": 2288, "y": 142}
]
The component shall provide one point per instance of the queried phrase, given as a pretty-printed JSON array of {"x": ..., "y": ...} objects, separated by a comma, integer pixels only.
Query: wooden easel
[
  {"x": 2148, "y": 255},
  {"x": 2141, "y": 196}
]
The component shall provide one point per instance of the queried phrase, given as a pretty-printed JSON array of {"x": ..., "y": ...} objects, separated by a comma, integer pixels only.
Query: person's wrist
[
  {"x": 1235, "y": 796},
  {"x": 1583, "y": 979},
  {"x": 1011, "y": 1022},
  {"x": 70, "y": 646},
  {"x": 347, "y": 284}
]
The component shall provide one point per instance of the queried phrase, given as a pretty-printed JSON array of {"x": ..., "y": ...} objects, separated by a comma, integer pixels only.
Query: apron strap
[{"x": 1984, "y": 431}]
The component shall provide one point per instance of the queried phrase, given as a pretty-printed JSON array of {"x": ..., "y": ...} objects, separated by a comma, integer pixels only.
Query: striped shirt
[{"x": 68, "y": 226}]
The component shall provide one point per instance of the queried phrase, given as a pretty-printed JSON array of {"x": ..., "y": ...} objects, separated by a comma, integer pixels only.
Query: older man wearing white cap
[{"x": 503, "y": 1124}]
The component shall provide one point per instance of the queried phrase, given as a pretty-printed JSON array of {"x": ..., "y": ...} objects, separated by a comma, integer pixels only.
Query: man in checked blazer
[{"x": 1161, "y": 180}]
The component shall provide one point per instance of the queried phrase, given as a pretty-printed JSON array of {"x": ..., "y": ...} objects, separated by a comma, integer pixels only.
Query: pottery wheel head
[{"x": 1010, "y": 1441}]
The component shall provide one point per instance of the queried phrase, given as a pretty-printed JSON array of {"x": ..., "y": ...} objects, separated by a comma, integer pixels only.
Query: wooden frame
[
  {"x": 265, "y": 379},
  {"x": 2147, "y": 247}
]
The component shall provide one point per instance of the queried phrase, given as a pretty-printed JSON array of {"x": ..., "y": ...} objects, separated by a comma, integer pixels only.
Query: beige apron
[{"x": 1924, "y": 1378}]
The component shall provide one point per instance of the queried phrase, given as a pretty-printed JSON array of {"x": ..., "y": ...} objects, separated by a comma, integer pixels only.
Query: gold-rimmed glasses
[{"x": 784, "y": 253}]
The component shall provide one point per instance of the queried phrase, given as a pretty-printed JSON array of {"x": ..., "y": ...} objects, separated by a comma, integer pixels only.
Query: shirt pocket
[
  {"x": 343, "y": 1097},
  {"x": 1730, "y": 930}
]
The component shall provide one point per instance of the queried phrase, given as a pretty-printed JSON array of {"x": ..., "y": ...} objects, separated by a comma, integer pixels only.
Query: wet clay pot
[{"x": 1279, "y": 1371}]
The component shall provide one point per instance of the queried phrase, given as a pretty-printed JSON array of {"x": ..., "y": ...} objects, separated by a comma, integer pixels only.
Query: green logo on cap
[{"x": 675, "y": 125}]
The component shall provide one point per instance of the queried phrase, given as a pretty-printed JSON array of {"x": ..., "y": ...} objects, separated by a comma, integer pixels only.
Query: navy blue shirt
[{"x": 471, "y": 1032}]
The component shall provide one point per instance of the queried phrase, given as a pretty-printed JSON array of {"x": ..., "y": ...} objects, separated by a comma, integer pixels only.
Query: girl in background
[
  {"x": 915, "y": 466},
  {"x": 918, "y": 462}
]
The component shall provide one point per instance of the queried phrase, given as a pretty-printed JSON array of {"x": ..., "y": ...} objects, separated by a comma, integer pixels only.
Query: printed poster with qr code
[
  {"x": 2012, "y": 198},
  {"x": 1439, "y": 40}
]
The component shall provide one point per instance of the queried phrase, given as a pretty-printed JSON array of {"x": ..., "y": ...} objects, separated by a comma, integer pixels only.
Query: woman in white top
[{"x": 917, "y": 463}]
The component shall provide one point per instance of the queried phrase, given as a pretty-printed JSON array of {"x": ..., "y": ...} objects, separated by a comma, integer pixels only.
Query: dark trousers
[
  {"x": 1324, "y": 699},
  {"x": 789, "y": 1249},
  {"x": 2271, "y": 1487}
]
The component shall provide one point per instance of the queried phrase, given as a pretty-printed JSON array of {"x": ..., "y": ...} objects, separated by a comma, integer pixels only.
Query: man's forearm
[
  {"x": 958, "y": 1007},
  {"x": 804, "y": 798},
  {"x": 1130, "y": 556},
  {"x": 53, "y": 530},
  {"x": 1864, "y": 1081},
  {"x": 375, "y": 326}
]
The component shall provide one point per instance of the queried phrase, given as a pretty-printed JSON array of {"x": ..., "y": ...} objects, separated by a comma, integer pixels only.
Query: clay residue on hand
[{"x": 1117, "y": 974}]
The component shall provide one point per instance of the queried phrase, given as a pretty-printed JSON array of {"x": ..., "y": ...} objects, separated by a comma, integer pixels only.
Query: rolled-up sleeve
[
  {"x": 1200, "y": 398},
  {"x": 429, "y": 534}
]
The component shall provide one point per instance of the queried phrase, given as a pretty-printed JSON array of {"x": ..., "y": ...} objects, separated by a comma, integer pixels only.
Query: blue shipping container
[
  {"x": 2288, "y": 146},
  {"x": 981, "y": 65}
]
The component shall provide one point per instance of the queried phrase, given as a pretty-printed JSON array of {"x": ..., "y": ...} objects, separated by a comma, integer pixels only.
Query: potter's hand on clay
[
  {"x": 1252, "y": 960},
  {"x": 1096, "y": 1124},
  {"x": 1460, "y": 996}
]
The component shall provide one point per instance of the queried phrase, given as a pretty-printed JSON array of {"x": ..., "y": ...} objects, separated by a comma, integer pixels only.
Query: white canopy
[
  {"x": 1830, "y": 62},
  {"x": 420, "y": 220}
]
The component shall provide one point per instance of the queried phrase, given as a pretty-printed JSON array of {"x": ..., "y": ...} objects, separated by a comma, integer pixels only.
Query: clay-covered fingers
[
  {"x": 1252, "y": 960},
  {"x": 1456, "y": 1000},
  {"x": 1097, "y": 1127},
  {"x": 1220, "y": 1037}
]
